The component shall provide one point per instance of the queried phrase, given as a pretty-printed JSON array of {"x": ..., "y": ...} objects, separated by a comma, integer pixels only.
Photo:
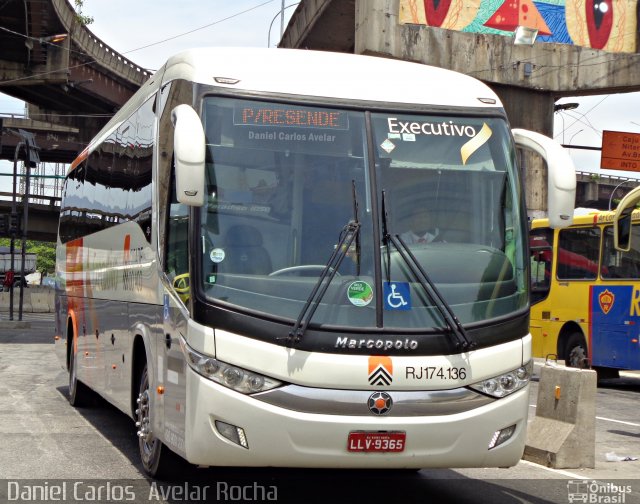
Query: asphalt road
[{"x": 49, "y": 450}]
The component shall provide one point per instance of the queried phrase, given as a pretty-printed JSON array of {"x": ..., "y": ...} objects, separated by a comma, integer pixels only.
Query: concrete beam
[
  {"x": 558, "y": 69},
  {"x": 43, "y": 219},
  {"x": 325, "y": 25},
  {"x": 58, "y": 143},
  {"x": 303, "y": 22}
]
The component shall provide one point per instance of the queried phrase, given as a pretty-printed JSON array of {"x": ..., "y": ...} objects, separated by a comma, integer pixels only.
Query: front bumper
[{"x": 283, "y": 437}]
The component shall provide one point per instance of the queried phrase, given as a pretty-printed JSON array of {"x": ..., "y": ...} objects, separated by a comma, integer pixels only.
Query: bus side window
[
  {"x": 578, "y": 253},
  {"x": 618, "y": 264},
  {"x": 177, "y": 254},
  {"x": 540, "y": 245}
]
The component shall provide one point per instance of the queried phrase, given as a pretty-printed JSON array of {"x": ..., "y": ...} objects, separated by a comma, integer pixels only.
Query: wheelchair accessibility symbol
[{"x": 397, "y": 296}]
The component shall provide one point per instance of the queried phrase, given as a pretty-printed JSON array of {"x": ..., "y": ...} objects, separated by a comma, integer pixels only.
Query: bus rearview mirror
[
  {"x": 561, "y": 176},
  {"x": 189, "y": 150},
  {"x": 622, "y": 233},
  {"x": 622, "y": 220}
]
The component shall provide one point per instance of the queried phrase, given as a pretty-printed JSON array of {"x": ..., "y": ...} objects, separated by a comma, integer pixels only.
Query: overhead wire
[
  {"x": 564, "y": 129},
  {"x": 199, "y": 28},
  {"x": 582, "y": 118}
]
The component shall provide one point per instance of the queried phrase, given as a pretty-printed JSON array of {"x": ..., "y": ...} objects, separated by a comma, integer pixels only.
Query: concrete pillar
[
  {"x": 534, "y": 175},
  {"x": 563, "y": 432},
  {"x": 533, "y": 111},
  {"x": 592, "y": 191},
  {"x": 376, "y": 30}
]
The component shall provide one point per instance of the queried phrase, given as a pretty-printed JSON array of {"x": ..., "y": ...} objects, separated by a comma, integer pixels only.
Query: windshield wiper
[
  {"x": 349, "y": 234},
  {"x": 356, "y": 219},
  {"x": 461, "y": 339}
]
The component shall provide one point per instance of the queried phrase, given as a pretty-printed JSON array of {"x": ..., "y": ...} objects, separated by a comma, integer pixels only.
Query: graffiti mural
[{"x": 610, "y": 25}]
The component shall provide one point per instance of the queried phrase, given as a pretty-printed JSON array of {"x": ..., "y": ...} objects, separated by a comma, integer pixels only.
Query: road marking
[
  {"x": 633, "y": 424},
  {"x": 557, "y": 471},
  {"x": 618, "y": 421}
]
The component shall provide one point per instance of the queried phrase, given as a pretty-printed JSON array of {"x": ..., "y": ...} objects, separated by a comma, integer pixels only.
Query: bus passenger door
[
  {"x": 176, "y": 291},
  {"x": 541, "y": 250},
  {"x": 172, "y": 369}
]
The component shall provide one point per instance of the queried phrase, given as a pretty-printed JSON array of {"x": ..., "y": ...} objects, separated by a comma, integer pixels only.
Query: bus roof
[
  {"x": 330, "y": 75},
  {"x": 317, "y": 74}
]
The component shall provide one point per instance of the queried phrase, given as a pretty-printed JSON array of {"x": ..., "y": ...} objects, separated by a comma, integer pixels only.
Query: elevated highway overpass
[
  {"x": 72, "y": 81},
  {"x": 72, "y": 86}
]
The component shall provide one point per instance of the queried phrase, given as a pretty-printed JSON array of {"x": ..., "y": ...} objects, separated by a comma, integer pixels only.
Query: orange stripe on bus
[
  {"x": 81, "y": 157},
  {"x": 72, "y": 316}
]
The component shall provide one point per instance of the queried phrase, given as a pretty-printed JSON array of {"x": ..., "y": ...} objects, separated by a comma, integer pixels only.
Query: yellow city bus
[{"x": 585, "y": 294}]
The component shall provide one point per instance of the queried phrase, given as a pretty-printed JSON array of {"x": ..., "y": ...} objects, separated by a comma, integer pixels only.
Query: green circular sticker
[{"x": 360, "y": 293}]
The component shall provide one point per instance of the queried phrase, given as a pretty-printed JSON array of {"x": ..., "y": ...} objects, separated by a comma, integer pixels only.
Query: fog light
[
  {"x": 232, "y": 433},
  {"x": 501, "y": 436}
]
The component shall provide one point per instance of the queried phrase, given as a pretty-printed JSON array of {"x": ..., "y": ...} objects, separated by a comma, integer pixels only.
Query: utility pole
[
  {"x": 282, "y": 20},
  {"x": 31, "y": 160}
]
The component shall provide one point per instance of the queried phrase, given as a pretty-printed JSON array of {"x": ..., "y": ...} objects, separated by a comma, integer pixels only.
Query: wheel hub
[{"x": 144, "y": 421}]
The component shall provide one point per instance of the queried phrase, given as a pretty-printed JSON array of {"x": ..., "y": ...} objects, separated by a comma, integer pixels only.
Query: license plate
[{"x": 363, "y": 441}]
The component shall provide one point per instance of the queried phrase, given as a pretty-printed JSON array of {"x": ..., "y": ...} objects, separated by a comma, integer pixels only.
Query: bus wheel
[
  {"x": 576, "y": 355},
  {"x": 79, "y": 393},
  {"x": 158, "y": 461}
]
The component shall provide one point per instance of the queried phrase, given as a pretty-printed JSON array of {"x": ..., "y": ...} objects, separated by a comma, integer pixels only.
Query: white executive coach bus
[{"x": 237, "y": 274}]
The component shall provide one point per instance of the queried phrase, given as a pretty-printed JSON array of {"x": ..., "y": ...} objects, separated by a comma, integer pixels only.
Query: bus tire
[
  {"x": 576, "y": 354},
  {"x": 79, "y": 393},
  {"x": 158, "y": 461}
]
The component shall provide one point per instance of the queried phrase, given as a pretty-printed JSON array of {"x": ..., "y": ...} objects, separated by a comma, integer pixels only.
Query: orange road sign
[{"x": 620, "y": 151}]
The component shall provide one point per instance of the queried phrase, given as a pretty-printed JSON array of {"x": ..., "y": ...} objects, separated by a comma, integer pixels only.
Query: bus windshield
[{"x": 284, "y": 180}]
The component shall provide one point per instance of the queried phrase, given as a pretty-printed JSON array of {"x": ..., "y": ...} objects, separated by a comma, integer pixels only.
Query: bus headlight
[
  {"x": 233, "y": 377},
  {"x": 507, "y": 383}
]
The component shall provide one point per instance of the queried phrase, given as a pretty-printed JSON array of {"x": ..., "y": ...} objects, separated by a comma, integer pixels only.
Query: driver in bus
[{"x": 421, "y": 228}]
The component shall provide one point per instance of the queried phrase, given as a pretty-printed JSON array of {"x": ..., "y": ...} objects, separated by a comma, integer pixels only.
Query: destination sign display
[{"x": 289, "y": 116}]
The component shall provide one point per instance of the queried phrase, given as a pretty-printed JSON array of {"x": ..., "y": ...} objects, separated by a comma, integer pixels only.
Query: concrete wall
[
  {"x": 35, "y": 300},
  {"x": 557, "y": 69}
]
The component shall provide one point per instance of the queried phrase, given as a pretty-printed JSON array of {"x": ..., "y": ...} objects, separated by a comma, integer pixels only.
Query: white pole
[{"x": 282, "y": 20}]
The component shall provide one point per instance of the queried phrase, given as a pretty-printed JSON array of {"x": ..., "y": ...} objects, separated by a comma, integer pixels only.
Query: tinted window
[
  {"x": 617, "y": 264},
  {"x": 139, "y": 197},
  {"x": 114, "y": 184},
  {"x": 541, "y": 249},
  {"x": 73, "y": 211},
  {"x": 578, "y": 253}
]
